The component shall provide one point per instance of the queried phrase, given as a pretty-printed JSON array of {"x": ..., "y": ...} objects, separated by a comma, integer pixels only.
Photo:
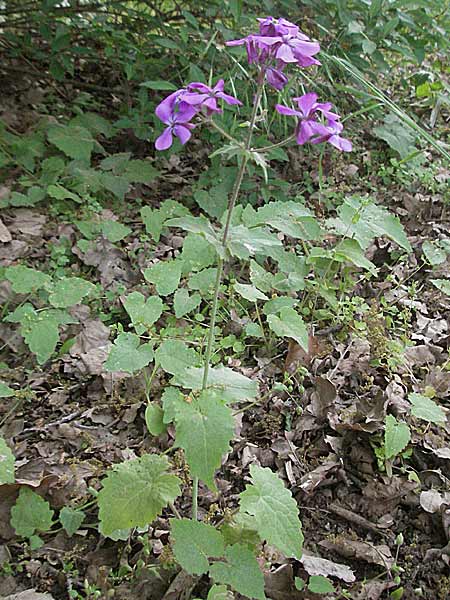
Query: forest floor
[{"x": 322, "y": 432}]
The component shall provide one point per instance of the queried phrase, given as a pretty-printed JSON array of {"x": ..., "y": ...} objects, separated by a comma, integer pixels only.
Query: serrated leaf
[
  {"x": 140, "y": 171},
  {"x": 194, "y": 543},
  {"x": 396, "y": 437},
  {"x": 249, "y": 292},
  {"x": 351, "y": 250},
  {"x": 25, "y": 280},
  {"x": 115, "y": 231},
  {"x": 399, "y": 136},
  {"x": 443, "y": 285},
  {"x": 219, "y": 592},
  {"x": 318, "y": 584},
  {"x": 204, "y": 429},
  {"x": 183, "y": 303},
  {"x": 165, "y": 276},
  {"x": 135, "y": 492},
  {"x": 95, "y": 123},
  {"x": 241, "y": 572},
  {"x": 127, "y": 355},
  {"x": 31, "y": 513},
  {"x": 199, "y": 225},
  {"x": 363, "y": 220},
  {"x": 275, "y": 511},
  {"x": 289, "y": 324},
  {"x": 154, "y": 219},
  {"x": 7, "y": 463},
  {"x": 75, "y": 141},
  {"x": 71, "y": 520},
  {"x": 244, "y": 242},
  {"x": 197, "y": 253},
  {"x": 172, "y": 400},
  {"x": 203, "y": 281},
  {"x": 175, "y": 356},
  {"x": 154, "y": 416},
  {"x": 230, "y": 385},
  {"x": 291, "y": 218},
  {"x": 434, "y": 253},
  {"x": 424, "y": 408},
  {"x": 143, "y": 313},
  {"x": 213, "y": 201},
  {"x": 69, "y": 291},
  {"x": 5, "y": 390}
]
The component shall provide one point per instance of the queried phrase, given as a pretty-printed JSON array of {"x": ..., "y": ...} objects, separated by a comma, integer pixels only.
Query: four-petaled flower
[
  {"x": 309, "y": 128},
  {"x": 278, "y": 44},
  {"x": 178, "y": 109}
]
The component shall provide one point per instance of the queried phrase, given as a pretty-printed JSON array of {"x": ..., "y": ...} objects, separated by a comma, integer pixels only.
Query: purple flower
[
  {"x": 310, "y": 129},
  {"x": 201, "y": 95},
  {"x": 177, "y": 124},
  {"x": 278, "y": 43}
]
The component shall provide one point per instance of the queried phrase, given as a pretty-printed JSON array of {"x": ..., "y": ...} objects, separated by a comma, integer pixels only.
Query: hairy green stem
[
  {"x": 278, "y": 145},
  {"x": 225, "y": 232}
]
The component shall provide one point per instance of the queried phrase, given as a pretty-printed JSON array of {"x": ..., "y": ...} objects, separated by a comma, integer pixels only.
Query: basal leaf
[
  {"x": 219, "y": 592},
  {"x": 275, "y": 511},
  {"x": 127, "y": 355},
  {"x": 194, "y": 543},
  {"x": 396, "y": 437},
  {"x": 71, "y": 520},
  {"x": 240, "y": 571},
  {"x": 135, "y": 492},
  {"x": 143, "y": 312},
  {"x": 165, "y": 275},
  {"x": 7, "y": 462},
  {"x": 175, "y": 356},
  {"x": 289, "y": 324},
  {"x": 434, "y": 253},
  {"x": 228, "y": 384},
  {"x": 115, "y": 231},
  {"x": 69, "y": 291},
  {"x": 31, "y": 513},
  {"x": 172, "y": 400},
  {"x": 443, "y": 285},
  {"x": 154, "y": 419},
  {"x": 204, "y": 429},
  {"x": 184, "y": 303},
  {"x": 25, "y": 280},
  {"x": 318, "y": 584},
  {"x": 5, "y": 390},
  {"x": 249, "y": 292},
  {"x": 197, "y": 253},
  {"x": 350, "y": 250},
  {"x": 424, "y": 408}
]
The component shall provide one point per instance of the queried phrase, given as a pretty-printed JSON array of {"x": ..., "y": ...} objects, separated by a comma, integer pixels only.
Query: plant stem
[
  {"x": 226, "y": 229},
  {"x": 278, "y": 145}
]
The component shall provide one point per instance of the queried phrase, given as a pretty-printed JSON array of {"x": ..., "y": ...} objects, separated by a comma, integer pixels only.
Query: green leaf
[
  {"x": 197, "y": 253},
  {"x": 194, "y": 543},
  {"x": 204, "y": 429},
  {"x": 396, "y": 437},
  {"x": 115, "y": 231},
  {"x": 397, "y": 134},
  {"x": 5, "y": 390},
  {"x": 350, "y": 250},
  {"x": 25, "y": 280},
  {"x": 69, "y": 291},
  {"x": 160, "y": 85},
  {"x": 118, "y": 185},
  {"x": 203, "y": 281},
  {"x": 143, "y": 313},
  {"x": 127, "y": 355},
  {"x": 291, "y": 218},
  {"x": 249, "y": 292},
  {"x": 275, "y": 511},
  {"x": 140, "y": 171},
  {"x": 165, "y": 275},
  {"x": 219, "y": 592},
  {"x": 71, "y": 520},
  {"x": 276, "y": 304},
  {"x": 172, "y": 400},
  {"x": 443, "y": 285},
  {"x": 214, "y": 201},
  {"x": 31, "y": 513},
  {"x": 424, "y": 408},
  {"x": 261, "y": 278},
  {"x": 183, "y": 303},
  {"x": 434, "y": 253},
  {"x": 289, "y": 324},
  {"x": 154, "y": 419},
  {"x": 244, "y": 242},
  {"x": 135, "y": 492},
  {"x": 7, "y": 462},
  {"x": 241, "y": 572},
  {"x": 363, "y": 220},
  {"x": 154, "y": 219},
  {"x": 231, "y": 386},
  {"x": 75, "y": 141},
  {"x": 95, "y": 123},
  {"x": 318, "y": 584},
  {"x": 175, "y": 357},
  {"x": 199, "y": 225}
]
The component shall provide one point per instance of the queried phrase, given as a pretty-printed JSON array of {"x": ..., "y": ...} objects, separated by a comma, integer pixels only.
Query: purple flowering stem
[{"x": 231, "y": 205}]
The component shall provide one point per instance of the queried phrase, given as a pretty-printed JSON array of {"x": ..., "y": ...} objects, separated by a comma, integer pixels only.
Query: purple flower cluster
[
  {"x": 177, "y": 110},
  {"x": 310, "y": 128},
  {"x": 279, "y": 43}
]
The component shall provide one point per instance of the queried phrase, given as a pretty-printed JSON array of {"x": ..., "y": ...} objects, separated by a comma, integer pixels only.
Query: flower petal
[
  {"x": 306, "y": 102},
  {"x": 285, "y": 54},
  {"x": 285, "y": 110},
  {"x": 165, "y": 139},
  {"x": 228, "y": 99},
  {"x": 340, "y": 143},
  {"x": 182, "y": 132},
  {"x": 165, "y": 108}
]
